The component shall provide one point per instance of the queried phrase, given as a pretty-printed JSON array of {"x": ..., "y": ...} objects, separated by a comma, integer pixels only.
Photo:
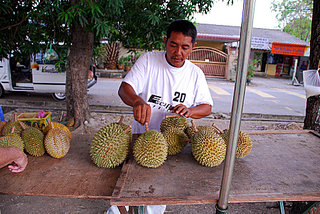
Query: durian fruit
[
  {"x": 57, "y": 143},
  {"x": 9, "y": 125},
  {"x": 12, "y": 140},
  {"x": 150, "y": 149},
  {"x": 33, "y": 140},
  {"x": 110, "y": 146},
  {"x": 244, "y": 146},
  {"x": 125, "y": 127},
  {"x": 174, "y": 121},
  {"x": 2, "y": 124},
  {"x": 57, "y": 125},
  {"x": 208, "y": 148},
  {"x": 190, "y": 131},
  {"x": 176, "y": 140}
]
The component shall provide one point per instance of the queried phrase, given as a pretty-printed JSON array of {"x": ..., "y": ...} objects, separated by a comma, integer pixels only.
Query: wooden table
[
  {"x": 281, "y": 167},
  {"x": 73, "y": 176}
]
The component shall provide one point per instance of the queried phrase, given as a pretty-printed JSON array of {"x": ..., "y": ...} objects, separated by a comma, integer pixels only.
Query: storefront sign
[
  {"x": 259, "y": 43},
  {"x": 288, "y": 49}
]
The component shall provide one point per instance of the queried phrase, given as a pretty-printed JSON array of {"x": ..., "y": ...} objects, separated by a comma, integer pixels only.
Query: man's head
[{"x": 180, "y": 40}]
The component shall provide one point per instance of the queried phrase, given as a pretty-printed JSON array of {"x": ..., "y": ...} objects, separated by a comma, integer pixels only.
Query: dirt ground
[{"x": 10, "y": 204}]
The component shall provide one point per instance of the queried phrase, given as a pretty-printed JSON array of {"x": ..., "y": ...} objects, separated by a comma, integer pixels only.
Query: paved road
[
  {"x": 263, "y": 96},
  {"x": 267, "y": 96}
]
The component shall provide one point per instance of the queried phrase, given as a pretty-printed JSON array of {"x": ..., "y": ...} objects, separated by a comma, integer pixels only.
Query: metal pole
[
  {"x": 237, "y": 105},
  {"x": 294, "y": 71}
]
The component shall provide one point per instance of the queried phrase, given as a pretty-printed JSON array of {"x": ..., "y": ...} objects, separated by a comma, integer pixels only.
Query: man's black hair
[{"x": 183, "y": 26}]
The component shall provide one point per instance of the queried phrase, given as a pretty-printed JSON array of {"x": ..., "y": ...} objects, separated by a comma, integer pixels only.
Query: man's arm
[
  {"x": 141, "y": 110},
  {"x": 14, "y": 155},
  {"x": 196, "y": 112}
]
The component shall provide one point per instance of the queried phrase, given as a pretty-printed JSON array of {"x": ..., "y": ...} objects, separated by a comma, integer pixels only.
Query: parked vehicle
[{"x": 35, "y": 74}]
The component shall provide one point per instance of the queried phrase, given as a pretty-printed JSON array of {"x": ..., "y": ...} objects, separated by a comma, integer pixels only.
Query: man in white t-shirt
[{"x": 162, "y": 83}]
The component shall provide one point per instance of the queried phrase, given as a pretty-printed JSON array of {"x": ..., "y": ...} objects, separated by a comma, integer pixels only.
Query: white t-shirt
[{"x": 163, "y": 86}]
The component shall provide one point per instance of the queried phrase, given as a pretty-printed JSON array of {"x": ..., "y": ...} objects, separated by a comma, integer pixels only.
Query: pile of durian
[
  {"x": 111, "y": 144},
  {"x": 54, "y": 139}
]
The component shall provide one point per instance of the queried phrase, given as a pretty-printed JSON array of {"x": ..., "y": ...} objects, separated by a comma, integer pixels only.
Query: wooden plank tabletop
[
  {"x": 282, "y": 166},
  {"x": 74, "y": 175}
]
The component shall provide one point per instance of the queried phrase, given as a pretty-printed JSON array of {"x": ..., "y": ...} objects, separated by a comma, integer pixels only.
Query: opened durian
[
  {"x": 57, "y": 143},
  {"x": 176, "y": 121},
  {"x": 12, "y": 140},
  {"x": 110, "y": 146},
  {"x": 244, "y": 146},
  {"x": 175, "y": 139},
  {"x": 150, "y": 149},
  {"x": 208, "y": 148},
  {"x": 33, "y": 140}
]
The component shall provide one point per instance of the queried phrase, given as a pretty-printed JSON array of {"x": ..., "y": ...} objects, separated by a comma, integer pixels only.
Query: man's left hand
[{"x": 181, "y": 110}]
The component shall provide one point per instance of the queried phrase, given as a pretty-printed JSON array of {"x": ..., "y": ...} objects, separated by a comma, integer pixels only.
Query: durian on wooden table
[
  {"x": 73, "y": 176},
  {"x": 282, "y": 166}
]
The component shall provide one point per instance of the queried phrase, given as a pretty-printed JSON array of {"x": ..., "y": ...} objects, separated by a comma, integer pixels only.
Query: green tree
[
  {"x": 29, "y": 26},
  {"x": 294, "y": 17}
]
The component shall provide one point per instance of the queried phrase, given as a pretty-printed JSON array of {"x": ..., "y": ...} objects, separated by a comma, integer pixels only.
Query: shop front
[{"x": 285, "y": 58}]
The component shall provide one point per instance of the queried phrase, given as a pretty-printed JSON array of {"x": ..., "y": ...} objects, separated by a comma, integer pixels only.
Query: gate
[{"x": 212, "y": 62}]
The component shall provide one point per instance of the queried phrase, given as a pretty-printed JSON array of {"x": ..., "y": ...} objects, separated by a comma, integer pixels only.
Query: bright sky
[{"x": 223, "y": 14}]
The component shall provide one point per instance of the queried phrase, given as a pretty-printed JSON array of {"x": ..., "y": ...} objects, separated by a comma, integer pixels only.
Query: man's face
[{"x": 178, "y": 48}]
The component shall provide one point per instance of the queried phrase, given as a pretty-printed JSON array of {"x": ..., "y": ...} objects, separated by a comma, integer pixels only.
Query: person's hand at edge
[{"x": 15, "y": 157}]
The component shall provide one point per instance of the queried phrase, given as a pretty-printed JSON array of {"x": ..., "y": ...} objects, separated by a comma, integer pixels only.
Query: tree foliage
[
  {"x": 28, "y": 26},
  {"x": 294, "y": 17}
]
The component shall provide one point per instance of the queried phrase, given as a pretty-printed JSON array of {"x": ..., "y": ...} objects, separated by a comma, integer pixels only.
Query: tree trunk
[
  {"x": 77, "y": 76},
  {"x": 313, "y": 102},
  {"x": 112, "y": 55}
]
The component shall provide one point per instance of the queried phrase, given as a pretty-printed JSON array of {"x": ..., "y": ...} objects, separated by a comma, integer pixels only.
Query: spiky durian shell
[
  {"x": 2, "y": 125},
  {"x": 57, "y": 125},
  {"x": 178, "y": 122},
  {"x": 57, "y": 143},
  {"x": 124, "y": 127},
  {"x": 150, "y": 149},
  {"x": 190, "y": 131},
  {"x": 12, "y": 140},
  {"x": 8, "y": 128},
  {"x": 208, "y": 148},
  {"x": 110, "y": 146},
  {"x": 33, "y": 141},
  {"x": 244, "y": 146},
  {"x": 175, "y": 139}
]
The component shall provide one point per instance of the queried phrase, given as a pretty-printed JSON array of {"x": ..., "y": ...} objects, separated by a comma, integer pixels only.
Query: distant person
[
  {"x": 14, "y": 157},
  {"x": 303, "y": 66}
]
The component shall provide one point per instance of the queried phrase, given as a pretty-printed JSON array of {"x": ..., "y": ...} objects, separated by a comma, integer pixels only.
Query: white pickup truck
[{"x": 32, "y": 75}]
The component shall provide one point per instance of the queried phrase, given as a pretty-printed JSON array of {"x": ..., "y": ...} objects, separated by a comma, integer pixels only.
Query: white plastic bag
[{"x": 311, "y": 82}]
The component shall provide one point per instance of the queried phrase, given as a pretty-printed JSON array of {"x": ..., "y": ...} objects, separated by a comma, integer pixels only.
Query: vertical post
[
  {"x": 294, "y": 70},
  {"x": 237, "y": 105}
]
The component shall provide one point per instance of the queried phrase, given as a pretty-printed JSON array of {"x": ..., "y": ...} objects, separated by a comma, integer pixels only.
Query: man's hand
[
  {"x": 141, "y": 112},
  {"x": 182, "y": 110},
  {"x": 195, "y": 112}
]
